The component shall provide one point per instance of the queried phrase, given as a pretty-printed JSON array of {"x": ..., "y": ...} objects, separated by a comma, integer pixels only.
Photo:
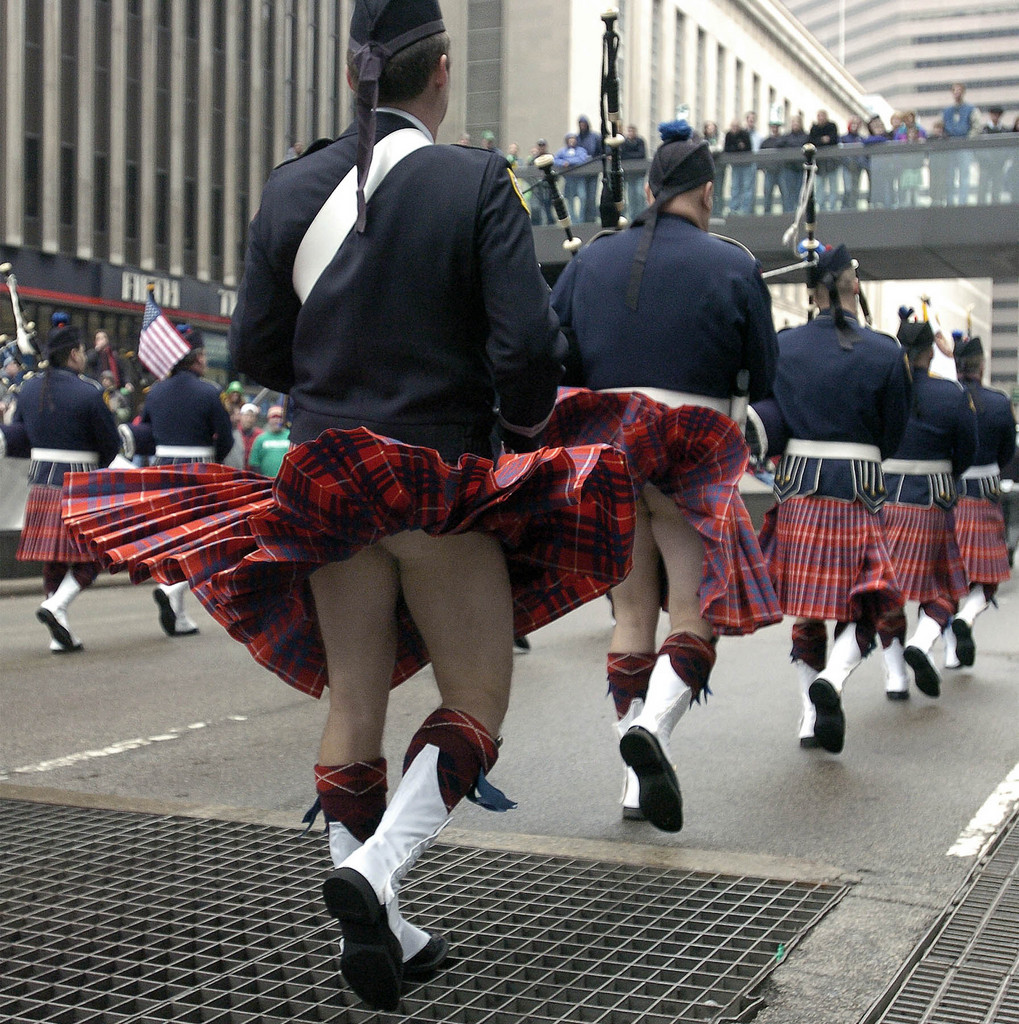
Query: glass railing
[{"x": 979, "y": 171}]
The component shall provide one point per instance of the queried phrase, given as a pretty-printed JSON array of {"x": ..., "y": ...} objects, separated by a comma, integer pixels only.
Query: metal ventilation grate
[
  {"x": 112, "y": 917},
  {"x": 966, "y": 970}
]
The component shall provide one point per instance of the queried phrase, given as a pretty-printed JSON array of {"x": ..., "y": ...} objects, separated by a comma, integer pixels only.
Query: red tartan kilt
[
  {"x": 44, "y": 538},
  {"x": 825, "y": 555},
  {"x": 697, "y": 457},
  {"x": 980, "y": 532},
  {"x": 923, "y": 549},
  {"x": 247, "y": 545}
]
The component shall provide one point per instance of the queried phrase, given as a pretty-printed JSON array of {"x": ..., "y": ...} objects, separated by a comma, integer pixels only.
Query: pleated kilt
[
  {"x": 247, "y": 544},
  {"x": 44, "y": 537},
  {"x": 980, "y": 532},
  {"x": 923, "y": 549},
  {"x": 825, "y": 556},
  {"x": 697, "y": 457}
]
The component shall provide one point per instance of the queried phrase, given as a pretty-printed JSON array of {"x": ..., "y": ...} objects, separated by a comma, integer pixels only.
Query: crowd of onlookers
[
  {"x": 261, "y": 436},
  {"x": 849, "y": 170}
]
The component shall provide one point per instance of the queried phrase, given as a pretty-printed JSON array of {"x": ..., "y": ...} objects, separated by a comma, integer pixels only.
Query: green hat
[{"x": 234, "y": 388}]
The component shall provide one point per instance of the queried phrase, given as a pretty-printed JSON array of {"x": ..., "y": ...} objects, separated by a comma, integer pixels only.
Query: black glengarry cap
[{"x": 379, "y": 29}]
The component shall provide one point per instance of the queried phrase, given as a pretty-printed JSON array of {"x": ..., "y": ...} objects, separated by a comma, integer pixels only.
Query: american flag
[{"x": 160, "y": 347}]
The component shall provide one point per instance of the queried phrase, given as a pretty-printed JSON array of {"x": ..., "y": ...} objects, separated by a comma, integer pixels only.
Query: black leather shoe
[
  {"x": 660, "y": 800},
  {"x": 372, "y": 960},
  {"x": 423, "y": 965},
  {"x": 62, "y": 635},
  {"x": 167, "y": 616},
  {"x": 965, "y": 648},
  {"x": 830, "y": 723},
  {"x": 924, "y": 673}
]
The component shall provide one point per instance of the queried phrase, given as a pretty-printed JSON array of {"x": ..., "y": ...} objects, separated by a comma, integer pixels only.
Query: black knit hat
[
  {"x": 832, "y": 261},
  {"x": 913, "y": 335},
  {"x": 968, "y": 348},
  {"x": 62, "y": 338},
  {"x": 681, "y": 163},
  {"x": 379, "y": 29}
]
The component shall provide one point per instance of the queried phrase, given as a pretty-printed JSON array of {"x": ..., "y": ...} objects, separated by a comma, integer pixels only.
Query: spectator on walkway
[
  {"x": 824, "y": 135},
  {"x": 634, "y": 148},
  {"x": 756, "y": 137},
  {"x": 853, "y": 165},
  {"x": 741, "y": 175},
  {"x": 588, "y": 183},
  {"x": 712, "y": 136},
  {"x": 962, "y": 121},
  {"x": 879, "y": 166},
  {"x": 540, "y": 198},
  {"x": 911, "y": 172},
  {"x": 993, "y": 162},
  {"x": 907, "y": 125},
  {"x": 569, "y": 155},
  {"x": 772, "y": 171},
  {"x": 792, "y": 171}
]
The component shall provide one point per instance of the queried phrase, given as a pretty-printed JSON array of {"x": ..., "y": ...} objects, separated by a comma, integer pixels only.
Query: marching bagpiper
[
  {"x": 938, "y": 445},
  {"x": 841, "y": 397},
  {"x": 979, "y": 522}
]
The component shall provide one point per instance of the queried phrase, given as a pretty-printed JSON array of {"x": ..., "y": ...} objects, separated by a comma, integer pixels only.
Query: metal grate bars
[{"x": 162, "y": 919}]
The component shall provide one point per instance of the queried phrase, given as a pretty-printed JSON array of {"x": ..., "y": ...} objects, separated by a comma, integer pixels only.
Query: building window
[
  {"x": 68, "y": 181},
  {"x": 31, "y": 196},
  {"x": 162, "y": 208},
  {"x": 131, "y": 201},
  {"x": 100, "y": 193}
]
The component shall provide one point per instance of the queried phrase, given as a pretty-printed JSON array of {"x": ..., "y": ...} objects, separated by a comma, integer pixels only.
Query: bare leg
[
  {"x": 355, "y": 602},
  {"x": 458, "y": 592},
  {"x": 683, "y": 553},
  {"x": 662, "y": 533}
]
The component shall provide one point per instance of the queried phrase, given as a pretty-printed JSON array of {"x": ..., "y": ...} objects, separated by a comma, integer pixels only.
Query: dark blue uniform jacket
[
  {"x": 184, "y": 409},
  {"x": 59, "y": 409},
  {"x": 996, "y": 437},
  {"x": 703, "y": 313},
  {"x": 421, "y": 325},
  {"x": 942, "y": 425},
  {"x": 826, "y": 393}
]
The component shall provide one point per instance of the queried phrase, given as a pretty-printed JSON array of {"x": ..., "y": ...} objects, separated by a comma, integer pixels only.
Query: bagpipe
[
  {"x": 25, "y": 332},
  {"x": 610, "y": 206},
  {"x": 810, "y": 248}
]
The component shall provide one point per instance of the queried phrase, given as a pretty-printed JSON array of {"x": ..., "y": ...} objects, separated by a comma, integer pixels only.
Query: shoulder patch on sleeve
[{"x": 516, "y": 187}]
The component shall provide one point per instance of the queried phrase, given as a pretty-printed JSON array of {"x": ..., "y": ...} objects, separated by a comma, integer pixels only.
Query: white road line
[
  {"x": 974, "y": 837},
  {"x": 114, "y": 748}
]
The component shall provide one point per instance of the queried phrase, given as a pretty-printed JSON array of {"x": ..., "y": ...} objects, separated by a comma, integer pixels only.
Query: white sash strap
[
  {"x": 184, "y": 451},
  {"x": 833, "y": 450},
  {"x": 338, "y": 215},
  {"x": 65, "y": 456},
  {"x": 676, "y": 399},
  {"x": 980, "y": 472},
  {"x": 916, "y": 467}
]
